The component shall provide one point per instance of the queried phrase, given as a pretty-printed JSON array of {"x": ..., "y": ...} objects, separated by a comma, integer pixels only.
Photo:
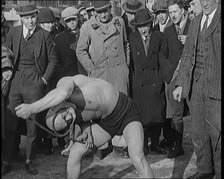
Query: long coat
[
  {"x": 105, "y": 56},
  {"x": 213, "y": 36},
  {"x": 148, "y": 87},
  {"x": 68, "y": 64},
  {"x": 170, "y": 53}
]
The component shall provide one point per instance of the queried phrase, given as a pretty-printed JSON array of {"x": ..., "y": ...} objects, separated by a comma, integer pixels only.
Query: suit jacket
[
  {"x": 45, "y": 56},
  {"x": 213, "y": 37},
  {"x": 171, "y": 50},
  {"x": 147, "y": 86}
]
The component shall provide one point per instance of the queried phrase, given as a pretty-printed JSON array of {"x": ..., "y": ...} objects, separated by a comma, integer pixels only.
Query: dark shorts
[{"x": 124, "y": 113}]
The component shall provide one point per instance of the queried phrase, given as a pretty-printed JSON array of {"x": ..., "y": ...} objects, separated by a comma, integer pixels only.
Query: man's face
[
  {"x": 144, "y": 30},
  {"x": 130, "y": 16},
  {"x": 195, "y": 7},
  {"x": 29, "y": 21},
  {"x": 47, "y": 26},
  {"x": 104, "y": 16},
  {"x": 176, "y": 13},
  {"x": 208, "y": 6},
  {"x": 84, "y": 14},
  {"x": 72, "y": 23},
  {"x": 162, "y": 17}
]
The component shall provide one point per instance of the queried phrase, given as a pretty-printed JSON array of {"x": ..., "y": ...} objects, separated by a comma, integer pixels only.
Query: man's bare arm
[{"x": 62, "y": 92}]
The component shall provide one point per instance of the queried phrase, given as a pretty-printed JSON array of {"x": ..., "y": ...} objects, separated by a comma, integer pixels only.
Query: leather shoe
[
  {"x": 5, "y": 168},
  {"x": 157, "y": 149},
  {"x": 31, "y": 169},
  {"x": 202, "y": 176}
]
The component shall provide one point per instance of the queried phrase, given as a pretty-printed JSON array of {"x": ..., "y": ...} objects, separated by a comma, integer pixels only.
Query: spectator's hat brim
[{"x": 132, "y": 6}]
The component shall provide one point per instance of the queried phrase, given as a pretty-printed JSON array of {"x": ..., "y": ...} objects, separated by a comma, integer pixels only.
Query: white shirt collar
[
  {"x": 25, "y": 31},
  {"x": 210, "y": 17}
]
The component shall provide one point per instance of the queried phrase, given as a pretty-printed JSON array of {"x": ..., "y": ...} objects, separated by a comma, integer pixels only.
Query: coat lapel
[
  {"x": 37, "y": 50},
  {"x": 17, "y": 41},
  {"x": 197, "y": 25},
  {"x": 214, "y": 22},
  {"x": 140, "y": 42},
  {"x": 111, "y": 30}
]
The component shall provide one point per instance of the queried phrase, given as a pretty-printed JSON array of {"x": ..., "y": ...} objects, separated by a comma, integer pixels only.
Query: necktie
[
  {"x": 28, "y": 35},
  {"x": 146, "y": 39},
  {"x": 205, "y": 24},
  {"x": 178, "y": 30}
]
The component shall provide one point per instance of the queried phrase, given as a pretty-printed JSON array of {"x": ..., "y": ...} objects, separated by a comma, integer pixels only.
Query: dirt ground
[{"x": 113, "y": 166}]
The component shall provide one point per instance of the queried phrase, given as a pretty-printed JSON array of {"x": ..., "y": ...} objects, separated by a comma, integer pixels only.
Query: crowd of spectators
[{"x": 167, "y": 58}]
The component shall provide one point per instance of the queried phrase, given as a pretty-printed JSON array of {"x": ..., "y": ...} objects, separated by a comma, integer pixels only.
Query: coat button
[
  {"x": 142, "y": 85},
  {"x": 143, "y": 69}
]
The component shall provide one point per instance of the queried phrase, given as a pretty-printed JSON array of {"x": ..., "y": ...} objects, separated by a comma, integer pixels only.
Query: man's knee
[{"x": 76, "y": 152}]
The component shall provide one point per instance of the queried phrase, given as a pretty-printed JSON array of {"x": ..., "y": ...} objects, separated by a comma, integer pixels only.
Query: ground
[{"x": 113, "y": 166}]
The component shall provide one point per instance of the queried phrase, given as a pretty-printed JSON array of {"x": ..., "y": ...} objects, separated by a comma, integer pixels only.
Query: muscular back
[{"x": 95, "y": 97}]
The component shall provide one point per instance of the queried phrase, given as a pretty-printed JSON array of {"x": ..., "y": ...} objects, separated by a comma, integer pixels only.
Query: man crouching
[{"x": 112, "y": 112}]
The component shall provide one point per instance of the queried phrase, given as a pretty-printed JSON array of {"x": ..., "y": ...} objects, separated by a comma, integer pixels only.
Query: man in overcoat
[
  {"x": 35, "y": 60},
  {"x": 103, "y": 50},
  {"x": 171, "y": 51},
  {"x": 199, "y": 81},
  {"x": 147, "y": 86}
]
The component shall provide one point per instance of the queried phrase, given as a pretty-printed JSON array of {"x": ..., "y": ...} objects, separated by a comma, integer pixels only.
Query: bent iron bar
[{"x": 56, "y": 134}]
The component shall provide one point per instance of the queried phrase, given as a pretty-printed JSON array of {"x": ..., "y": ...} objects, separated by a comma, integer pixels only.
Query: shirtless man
[{"x": 96, "y": 100}]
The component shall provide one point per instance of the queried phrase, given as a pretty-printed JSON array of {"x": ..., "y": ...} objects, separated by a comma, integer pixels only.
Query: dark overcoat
[
  {"x": 147, "y": 85},
  {"x": 171, "y": 50}
]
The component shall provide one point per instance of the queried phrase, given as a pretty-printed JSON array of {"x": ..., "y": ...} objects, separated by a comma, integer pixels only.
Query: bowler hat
[
  {"x": 58, "y": 124},
  {"x": 160, "y": 6},
  {"x": 101, "y": 5},
  {"x": 45, "y": 15},
  {"x": 142, "y": 17},
  {"x": 27, "y": 9},
  {"x": 132, "y": 6},
  {"x": 69, "y": 12},
  {"x": 56, "y": 11}
]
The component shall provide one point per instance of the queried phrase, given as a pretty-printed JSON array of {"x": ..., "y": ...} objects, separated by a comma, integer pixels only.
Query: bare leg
[
  {"x": 78, "y": 150},
  {"x": 133, "y": 134}
]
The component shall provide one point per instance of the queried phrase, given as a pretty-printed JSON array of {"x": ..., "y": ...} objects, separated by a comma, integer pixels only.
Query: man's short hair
[{"x": 180, "y": 3}]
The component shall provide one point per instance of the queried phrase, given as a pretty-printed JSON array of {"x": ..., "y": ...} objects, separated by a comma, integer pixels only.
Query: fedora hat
[
  {"x": 45, "y": 15},
  {"x": 27, "y": 9},
  {"x": 101, "y": 5},
  {"x": 132, "y": 6},
  {"x": 160, "y": 6},
  {"x": 58, "y": 124},
  {"x": 142, "y": 17}
]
